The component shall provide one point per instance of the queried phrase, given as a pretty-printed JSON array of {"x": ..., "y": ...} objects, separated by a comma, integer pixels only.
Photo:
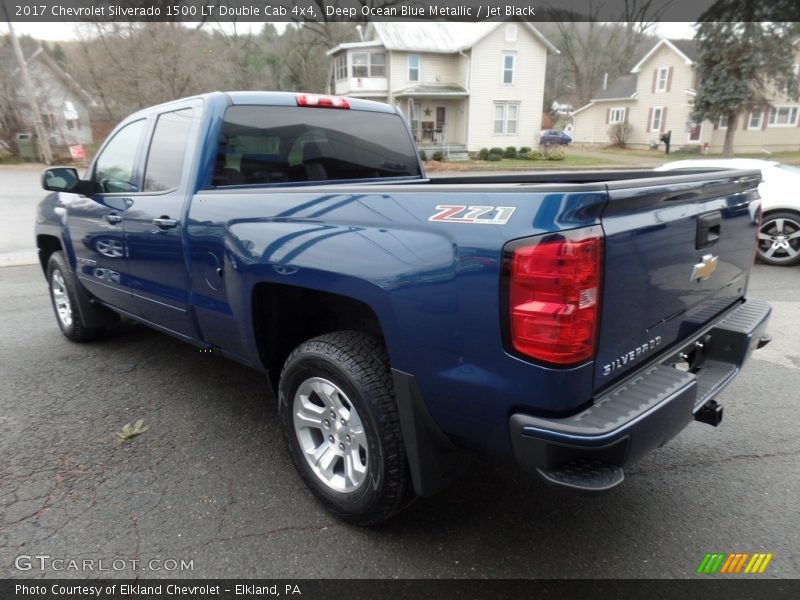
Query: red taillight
[
  {"x": 322, "y": 101},
  {"x": 553, "y": 293}
]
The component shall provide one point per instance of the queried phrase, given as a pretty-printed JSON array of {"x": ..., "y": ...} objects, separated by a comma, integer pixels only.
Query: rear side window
[
  {"x": 278, "y": 144},
  {"x": 167, "y": 151}
]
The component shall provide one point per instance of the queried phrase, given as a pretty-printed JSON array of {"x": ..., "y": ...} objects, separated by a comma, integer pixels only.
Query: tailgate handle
[{"x": 708, "y": 230}]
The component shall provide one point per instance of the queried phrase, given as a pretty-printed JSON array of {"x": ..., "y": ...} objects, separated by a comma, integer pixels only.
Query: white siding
[
  {"x": 434, "y": 68},
  {"x": 591, "y": 126},
  {"x": 486, "y": 88},
  {"x": 52, "y": 95}
]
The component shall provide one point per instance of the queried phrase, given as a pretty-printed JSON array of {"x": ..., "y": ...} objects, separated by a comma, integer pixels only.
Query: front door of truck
[
  {"x": 154, "y": 225},
  {"x": 95, "y": 222}
]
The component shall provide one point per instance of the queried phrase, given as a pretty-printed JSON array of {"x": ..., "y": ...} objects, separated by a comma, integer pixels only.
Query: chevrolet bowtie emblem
[{"x": 703, "y": 270}]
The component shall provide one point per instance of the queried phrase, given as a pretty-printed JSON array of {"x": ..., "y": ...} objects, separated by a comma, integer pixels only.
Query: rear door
[
  {"x": 678, "y": 251},
  {"x": 153, "y": 223}
]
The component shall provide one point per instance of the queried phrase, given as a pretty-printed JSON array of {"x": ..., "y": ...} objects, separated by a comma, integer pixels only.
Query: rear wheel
[
  {"x": 340, "y": 421},
  {"x": 779, "y": 239},
  {"x": 63, "y": 295}
]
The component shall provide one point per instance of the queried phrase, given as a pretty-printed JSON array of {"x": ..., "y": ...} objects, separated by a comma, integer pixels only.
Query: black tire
[
  {"x": 358, "y": 366},
  {"x": 774, "y": 247},
  {"x": 61, "y": 283}
]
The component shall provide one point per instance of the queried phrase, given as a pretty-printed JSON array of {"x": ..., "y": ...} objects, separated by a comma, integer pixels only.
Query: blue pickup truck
[{"x": 570, "y": 322}]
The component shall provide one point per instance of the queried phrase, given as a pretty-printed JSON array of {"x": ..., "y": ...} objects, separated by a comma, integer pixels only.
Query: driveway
[{"x": 20, "y": 192}]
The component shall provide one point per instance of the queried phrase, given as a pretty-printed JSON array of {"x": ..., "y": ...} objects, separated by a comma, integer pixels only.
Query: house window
[
  {"x": 369, "y": 64},
  {"x": 506, "y": 117},
  {"x": 377, "y": 64},
  {"x": 511, "y": 32},
  {"x": 508, "y": 68},
  {"x": 755, "y": 120},
  {"x": 413, "y": 67},
  {"x": 340, "y": 67},
  {"x": 656, "y": 118},
  {"x": 723, "y": 122},
  {"x": 661, "y": 79},
  {"x": 783, "y": 116},
  {"x": 616, "y": 115},
  {"x": 360, "y": 64}
]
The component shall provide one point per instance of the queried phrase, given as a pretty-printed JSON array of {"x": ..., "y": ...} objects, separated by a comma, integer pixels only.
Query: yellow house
[{"x": 657, "y": 97}]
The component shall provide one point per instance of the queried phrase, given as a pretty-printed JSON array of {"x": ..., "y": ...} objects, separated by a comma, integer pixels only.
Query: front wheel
[
  {"x": 779, "y": 239},
  {"x": 65, "y": 304},
  {"x": 340, "y": 421}
]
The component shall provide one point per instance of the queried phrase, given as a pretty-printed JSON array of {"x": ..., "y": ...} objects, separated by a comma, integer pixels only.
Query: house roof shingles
[
  {"x": 687, "y": 47},
  {"x": 622, "y": 87}
]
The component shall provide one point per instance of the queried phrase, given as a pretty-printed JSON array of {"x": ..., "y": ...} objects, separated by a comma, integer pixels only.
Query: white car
[{"x": 779, "y": 236}]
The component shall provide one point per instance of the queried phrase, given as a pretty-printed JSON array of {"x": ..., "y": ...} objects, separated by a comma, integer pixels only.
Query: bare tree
[
  {"x": 592, "y": 45},
  {"x": 128, "y": 66},
  {"x": 302, "y": 49},
  {"x": 11, "y": 118}
]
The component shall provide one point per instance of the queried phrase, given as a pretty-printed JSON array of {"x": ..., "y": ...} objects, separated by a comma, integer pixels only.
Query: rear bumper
[{"x": 645, "y": 410}]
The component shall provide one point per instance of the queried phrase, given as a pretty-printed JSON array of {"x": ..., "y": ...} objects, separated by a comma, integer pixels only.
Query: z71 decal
[{"x": 477, "y": 215}]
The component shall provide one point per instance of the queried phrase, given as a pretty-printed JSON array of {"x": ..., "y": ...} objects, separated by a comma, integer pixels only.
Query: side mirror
[{"x": 64, "y": 179}]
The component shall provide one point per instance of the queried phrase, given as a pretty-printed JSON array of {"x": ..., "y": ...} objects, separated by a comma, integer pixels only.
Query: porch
[
  {"x": 454, "y": 152},
  {"x": 437, "y": 116}
]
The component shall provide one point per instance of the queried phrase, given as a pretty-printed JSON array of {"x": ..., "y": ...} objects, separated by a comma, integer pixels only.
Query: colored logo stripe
[
  {"x": 711, "y": 562},
  {"x": 721, "y": 562}
]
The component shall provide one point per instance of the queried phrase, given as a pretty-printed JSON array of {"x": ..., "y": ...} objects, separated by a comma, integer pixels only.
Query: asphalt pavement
[
  {"x": 209, "y": 483},
  {"x": 20, "y": 191}
]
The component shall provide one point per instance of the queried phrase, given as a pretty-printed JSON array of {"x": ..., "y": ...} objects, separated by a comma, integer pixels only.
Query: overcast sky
[{"x": 65, "y": 31}]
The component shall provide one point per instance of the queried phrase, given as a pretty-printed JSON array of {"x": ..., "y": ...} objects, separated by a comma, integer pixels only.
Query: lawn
[
  {"x": 788, "y": 157},
  {"x": 515, "y": 164}
]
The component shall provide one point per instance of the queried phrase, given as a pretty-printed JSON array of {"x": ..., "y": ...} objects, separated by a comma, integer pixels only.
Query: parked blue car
[{"x": 555, "y": 137}]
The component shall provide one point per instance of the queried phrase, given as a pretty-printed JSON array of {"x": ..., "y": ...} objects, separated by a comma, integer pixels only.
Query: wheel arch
[
  {"x": 47, "y": 244},
  {"x": 284, "y": 316}
]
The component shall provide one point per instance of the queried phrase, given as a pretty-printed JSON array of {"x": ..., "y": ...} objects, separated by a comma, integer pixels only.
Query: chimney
[
  {"x": 360, "y": 32},
  {"x": 605, "y": 80}
]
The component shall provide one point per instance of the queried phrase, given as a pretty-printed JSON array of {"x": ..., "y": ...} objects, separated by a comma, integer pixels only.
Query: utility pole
[{"x": 38, "y": 124}]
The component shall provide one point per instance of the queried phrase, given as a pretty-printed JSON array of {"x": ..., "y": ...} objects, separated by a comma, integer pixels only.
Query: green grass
[
  {"x": 516, "y": 163},
  {"x": 677, "y": 155}
]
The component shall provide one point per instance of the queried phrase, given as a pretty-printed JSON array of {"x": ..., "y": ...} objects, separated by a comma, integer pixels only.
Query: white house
[
  {"x": 462, "y": 86},
  {"x": 63, "y": 104}
]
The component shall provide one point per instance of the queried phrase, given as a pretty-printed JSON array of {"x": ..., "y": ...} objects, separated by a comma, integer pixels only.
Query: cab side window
[
  {"x": 114, "y": 169},
  {"x": 167, "y": 151}
]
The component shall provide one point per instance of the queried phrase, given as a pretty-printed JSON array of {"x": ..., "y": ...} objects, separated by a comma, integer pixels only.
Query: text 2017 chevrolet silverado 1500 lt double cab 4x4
[{"x": 569, "y": 322}]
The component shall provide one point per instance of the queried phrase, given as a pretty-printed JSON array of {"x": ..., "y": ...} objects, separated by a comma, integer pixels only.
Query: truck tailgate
[{"x": 678, "y": 252}]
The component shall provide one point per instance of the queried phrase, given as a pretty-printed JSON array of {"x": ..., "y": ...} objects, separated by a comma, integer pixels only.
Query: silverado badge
[{"x": 703, "y": 270}]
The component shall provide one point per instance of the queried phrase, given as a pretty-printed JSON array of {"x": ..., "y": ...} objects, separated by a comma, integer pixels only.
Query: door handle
[
  {"x": 709, "y": 229},
  {"x": 114, "y": 218},
  {"x": 165, "y": 222}
]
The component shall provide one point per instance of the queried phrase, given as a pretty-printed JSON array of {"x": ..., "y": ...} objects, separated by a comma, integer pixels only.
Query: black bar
[
  {"x": 376, "y": 10},
  {"x": 709, "y": 587}
]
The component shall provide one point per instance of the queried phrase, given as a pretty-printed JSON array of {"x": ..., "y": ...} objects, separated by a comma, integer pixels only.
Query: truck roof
[{"x": 267, "y": 99}]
